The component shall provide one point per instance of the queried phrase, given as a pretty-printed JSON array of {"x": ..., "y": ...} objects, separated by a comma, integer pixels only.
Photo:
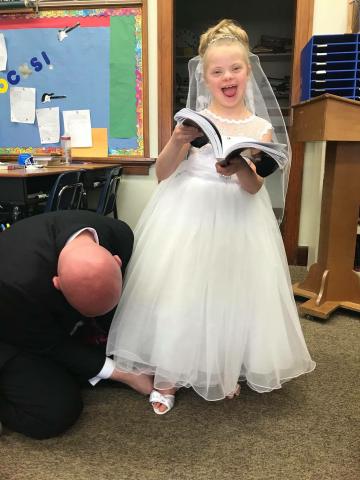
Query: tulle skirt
[{"x": 207, "y": 297}]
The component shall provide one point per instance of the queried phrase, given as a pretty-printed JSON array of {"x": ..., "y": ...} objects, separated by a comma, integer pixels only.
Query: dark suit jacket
[{"x": 35, "y": 317}]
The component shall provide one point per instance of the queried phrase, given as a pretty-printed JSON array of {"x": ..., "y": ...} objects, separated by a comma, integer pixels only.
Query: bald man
[{"x": 57, "y": 271}]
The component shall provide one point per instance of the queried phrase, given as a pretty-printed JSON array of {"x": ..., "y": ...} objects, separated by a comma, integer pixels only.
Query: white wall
[
  {"x": 134, "y": 193},
  {"x": 330, "y": 16},
  {"x": 135, "y": 190},
  {"x": 327, "y": 20}
]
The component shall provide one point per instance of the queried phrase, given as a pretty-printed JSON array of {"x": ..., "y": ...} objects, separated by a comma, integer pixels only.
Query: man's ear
[
  {"x": 56, "y": 283},
  {"x": 118, "y": 260}
]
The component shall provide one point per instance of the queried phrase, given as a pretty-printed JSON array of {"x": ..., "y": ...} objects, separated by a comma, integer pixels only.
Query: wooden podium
[{"x": 332, "y": 281}]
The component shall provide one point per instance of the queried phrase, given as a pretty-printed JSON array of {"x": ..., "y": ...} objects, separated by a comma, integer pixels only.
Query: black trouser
[
  {"x": 38, "y": 397},
  {"x": 41, "y": 396}
]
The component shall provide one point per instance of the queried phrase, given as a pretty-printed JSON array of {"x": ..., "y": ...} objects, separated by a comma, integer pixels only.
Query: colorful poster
[{"x": 75, "y": 60}]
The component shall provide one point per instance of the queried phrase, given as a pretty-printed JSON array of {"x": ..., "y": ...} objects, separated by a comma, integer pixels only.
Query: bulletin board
[{"x": 98, "y": 67}]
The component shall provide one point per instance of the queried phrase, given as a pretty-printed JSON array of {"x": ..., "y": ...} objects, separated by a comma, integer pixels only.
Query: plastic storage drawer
[{"x": 331, "y": 64}]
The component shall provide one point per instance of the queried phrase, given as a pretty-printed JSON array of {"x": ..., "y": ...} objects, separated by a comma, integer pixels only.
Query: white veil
[{"x": 260, "y": 100}]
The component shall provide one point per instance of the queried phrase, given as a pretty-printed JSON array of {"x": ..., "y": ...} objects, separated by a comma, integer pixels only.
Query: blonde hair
[{"x": 226, "y": 31}]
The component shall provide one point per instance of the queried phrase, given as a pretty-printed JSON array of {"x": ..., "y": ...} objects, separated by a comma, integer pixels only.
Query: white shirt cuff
[{"x": 105, "y": 372}]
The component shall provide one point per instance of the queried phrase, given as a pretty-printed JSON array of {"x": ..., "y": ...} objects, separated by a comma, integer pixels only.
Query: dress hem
[{"x": 151, "y": 370}]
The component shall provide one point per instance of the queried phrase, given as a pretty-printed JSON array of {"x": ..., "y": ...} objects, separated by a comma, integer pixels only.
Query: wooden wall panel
[{"x": 304, "y": 10}]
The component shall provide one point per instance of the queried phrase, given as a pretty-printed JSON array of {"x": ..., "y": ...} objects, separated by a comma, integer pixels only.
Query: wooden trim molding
[
  {"x": 145, "y": 79},
  {"x": 132, "y": 165},
  {"x": 302, "y": 255},
  {"x": 79, "y": 4},
  {"x": 353, "y": 17},
  {"x": 165, "y": 26},
  {"x": 72, "y": 4},
  {"x": 304, "y": 10}
]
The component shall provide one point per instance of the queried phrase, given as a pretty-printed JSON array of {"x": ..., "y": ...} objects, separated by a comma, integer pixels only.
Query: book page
[
  {"x": 206, "y": 125},
  {"x": 274, "y": 154}
]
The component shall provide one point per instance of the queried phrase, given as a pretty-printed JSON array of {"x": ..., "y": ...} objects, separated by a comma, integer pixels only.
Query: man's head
[{"x": 89, "y": 277}]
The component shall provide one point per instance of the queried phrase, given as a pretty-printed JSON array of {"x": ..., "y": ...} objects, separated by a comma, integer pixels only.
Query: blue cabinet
[{"x": 331, "y": 64}]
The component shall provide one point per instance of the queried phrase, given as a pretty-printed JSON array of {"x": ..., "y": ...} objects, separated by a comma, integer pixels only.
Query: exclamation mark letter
[{"x": 46, "y": 58}]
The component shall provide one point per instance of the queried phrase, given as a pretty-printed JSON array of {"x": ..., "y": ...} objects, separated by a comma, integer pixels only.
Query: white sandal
[{"x": 167, "y": 400}]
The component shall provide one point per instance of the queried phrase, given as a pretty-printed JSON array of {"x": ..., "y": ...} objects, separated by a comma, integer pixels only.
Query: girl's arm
[
  {"x": 246, "y": 173},
  {"x": 175, "y": 150}
]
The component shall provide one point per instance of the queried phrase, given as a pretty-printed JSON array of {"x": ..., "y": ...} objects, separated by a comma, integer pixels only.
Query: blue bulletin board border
[{"x": 119, "y": 147}]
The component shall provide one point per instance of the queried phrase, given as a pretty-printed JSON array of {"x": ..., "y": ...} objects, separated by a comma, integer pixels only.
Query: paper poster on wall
[
  {"x": 22, "y": 105},
  {"x": 3, "y": 52},
  {"x": 77, "y": 125},
  {"x": 76, "y": 74},
  {"x": 49, "y": 124},
  {"x": 122, "y": 105},
  {"x": 99, "y": 147}
]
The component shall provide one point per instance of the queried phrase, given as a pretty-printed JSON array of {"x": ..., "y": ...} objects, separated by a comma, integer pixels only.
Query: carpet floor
[{"x": 308, "y": 430}]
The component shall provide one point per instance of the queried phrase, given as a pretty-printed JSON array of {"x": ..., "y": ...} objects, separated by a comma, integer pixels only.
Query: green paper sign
[{"x": 122, "y": 77}]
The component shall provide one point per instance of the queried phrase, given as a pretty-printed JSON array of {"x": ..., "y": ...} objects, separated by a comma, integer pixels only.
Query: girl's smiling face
[{"x": 226, "y": 72}]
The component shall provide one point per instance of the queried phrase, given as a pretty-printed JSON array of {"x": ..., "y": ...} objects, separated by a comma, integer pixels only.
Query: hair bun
[{"x": 225, "y": 29}]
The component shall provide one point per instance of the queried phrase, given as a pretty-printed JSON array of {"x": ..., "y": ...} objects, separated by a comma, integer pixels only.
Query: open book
[{"x": 270, "y": 157}]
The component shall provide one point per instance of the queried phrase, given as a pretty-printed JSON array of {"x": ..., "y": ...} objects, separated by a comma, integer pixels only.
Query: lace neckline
[{"x": 229, "y": 120}]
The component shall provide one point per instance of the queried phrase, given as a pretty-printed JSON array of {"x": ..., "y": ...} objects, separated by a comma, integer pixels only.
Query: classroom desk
[{"x": 20, "y": 188}]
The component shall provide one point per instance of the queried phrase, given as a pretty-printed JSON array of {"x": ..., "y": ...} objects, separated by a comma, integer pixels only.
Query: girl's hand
[
  {"x": 175, "y": 150},
  {"x": 183, "y": 134},
  {"x": 253, "y": 152}
]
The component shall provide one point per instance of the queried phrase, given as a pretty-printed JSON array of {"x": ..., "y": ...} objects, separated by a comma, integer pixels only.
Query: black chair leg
[{"x": 116, "y": 212}]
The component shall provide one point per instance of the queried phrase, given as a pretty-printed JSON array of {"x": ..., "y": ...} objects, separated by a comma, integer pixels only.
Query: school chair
[
  {"x": 67, "y": 192},
  {"x": 107, "y": 198}
]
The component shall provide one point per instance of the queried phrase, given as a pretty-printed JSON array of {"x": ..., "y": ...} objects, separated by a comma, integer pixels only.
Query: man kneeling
[{"x": 59, "y": 272}]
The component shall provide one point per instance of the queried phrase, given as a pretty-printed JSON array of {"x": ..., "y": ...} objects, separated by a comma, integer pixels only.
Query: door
[{"x": 302, "y": 33}]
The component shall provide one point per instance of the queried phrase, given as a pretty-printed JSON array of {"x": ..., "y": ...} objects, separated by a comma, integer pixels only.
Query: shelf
[{"x": 270, "y": 56}]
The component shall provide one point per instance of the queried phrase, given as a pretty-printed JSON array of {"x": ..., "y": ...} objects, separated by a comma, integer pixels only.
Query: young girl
[{"x": 207, "y": 298}]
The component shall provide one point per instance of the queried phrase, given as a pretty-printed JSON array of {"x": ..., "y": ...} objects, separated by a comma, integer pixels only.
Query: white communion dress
[{"x": 207, "y": 299}]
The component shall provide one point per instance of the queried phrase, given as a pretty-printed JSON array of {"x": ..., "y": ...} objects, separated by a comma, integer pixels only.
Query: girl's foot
[
  {"x": 163, "y": 400},
  {"x": 141, "y": 383},
  {"x": 235, "y": 393}
]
